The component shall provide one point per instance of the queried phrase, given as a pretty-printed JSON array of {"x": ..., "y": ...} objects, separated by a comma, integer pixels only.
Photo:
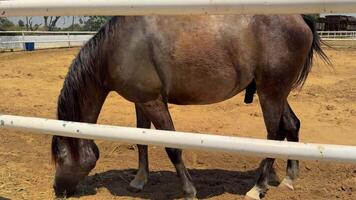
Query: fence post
[
  {"x": 23, "y": 40},
  {"x": 68, "y": 34}
]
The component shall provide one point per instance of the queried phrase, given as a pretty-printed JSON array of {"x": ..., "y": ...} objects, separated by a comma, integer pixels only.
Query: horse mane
[{"x": 85, "y": 70}]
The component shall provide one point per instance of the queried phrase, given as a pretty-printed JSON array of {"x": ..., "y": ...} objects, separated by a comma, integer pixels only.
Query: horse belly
[
  {"x": 199, "y": 92},
  {"x": 200, "y": 61},
  {"x": 203, "y": 82}
]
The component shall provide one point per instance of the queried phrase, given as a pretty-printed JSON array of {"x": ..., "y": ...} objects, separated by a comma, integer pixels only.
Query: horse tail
[{"x": 315, "y": 48}]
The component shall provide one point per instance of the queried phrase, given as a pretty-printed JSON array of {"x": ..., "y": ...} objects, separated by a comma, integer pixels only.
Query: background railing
[
  {"x": 17, "y": 40},
  {"x": 339, "y": 39},
  {"x": 338, "y": 35}
]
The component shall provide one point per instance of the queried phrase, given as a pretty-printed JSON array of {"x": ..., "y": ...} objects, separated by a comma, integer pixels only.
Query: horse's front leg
[
  {"x": 141, "y": 177},
  {"x": 157, "y": 112}
]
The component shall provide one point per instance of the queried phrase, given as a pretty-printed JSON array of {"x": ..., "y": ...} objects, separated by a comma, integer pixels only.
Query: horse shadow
[
  {"x": 165, "y": 185},
  {"x": 3, "y": 198}
]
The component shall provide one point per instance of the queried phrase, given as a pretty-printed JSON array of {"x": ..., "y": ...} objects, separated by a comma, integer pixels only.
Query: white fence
[
  {"x": 338, "y": 35},
  {"x": 171, "y": 7},
  {"x": 339, "y": 39},
  {"x": 16, "y": 40}
]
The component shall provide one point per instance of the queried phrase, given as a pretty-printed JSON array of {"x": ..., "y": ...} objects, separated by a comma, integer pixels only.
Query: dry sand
[{"x": 30, "y": 83}]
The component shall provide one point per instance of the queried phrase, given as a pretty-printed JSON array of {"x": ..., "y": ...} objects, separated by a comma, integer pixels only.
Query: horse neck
[
  {"x": 83, "y": 92},
  {"x": 80, "y": 100}
]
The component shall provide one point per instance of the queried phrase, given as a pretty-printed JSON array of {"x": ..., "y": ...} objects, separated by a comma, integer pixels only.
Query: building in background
[{"x": 336, "y": 23}]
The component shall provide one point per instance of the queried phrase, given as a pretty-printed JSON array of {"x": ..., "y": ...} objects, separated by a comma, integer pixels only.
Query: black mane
[{"x": 86, "y": 70}]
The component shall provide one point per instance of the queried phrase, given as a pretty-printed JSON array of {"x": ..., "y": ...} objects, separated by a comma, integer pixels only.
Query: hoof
[
  {"x": 253, "y": 194},
  {"x": 133, "y": 189},
  {"x": 250, "y": 198},
  {"x": 136, "y": 186},
  {"x": 190, "y": 198},
  {"x": 287, "y": 183},
  {"x": 190, "y": 194}
]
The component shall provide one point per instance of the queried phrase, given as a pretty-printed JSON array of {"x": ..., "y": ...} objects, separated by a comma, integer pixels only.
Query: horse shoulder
[{"x": 132, "y": 72}]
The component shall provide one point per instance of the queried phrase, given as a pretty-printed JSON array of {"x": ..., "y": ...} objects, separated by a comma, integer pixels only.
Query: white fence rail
[
  {"x": 338, "y": 35},
  {"x": 171, "y": 7},
  {"x": 16, "y": 40},
  {"x": 246, "y": 146},
  {"x": 339, "y": 39}
]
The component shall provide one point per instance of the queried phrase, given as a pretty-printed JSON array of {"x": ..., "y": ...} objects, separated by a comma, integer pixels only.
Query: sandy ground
[{"x": 30, "y": 83}]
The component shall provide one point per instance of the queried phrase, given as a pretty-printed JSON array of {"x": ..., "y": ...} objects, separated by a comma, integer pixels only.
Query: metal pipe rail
[
  {"x": 49, "y": 32},
  {"x": 42, "y": 41},
  {"x": 337, "y": 34},
  {"x": 12, "y": 39},
  {"x": 246, "y": 146},
  {"x": 339, "y": 39},
  {"x": 171, "y": 7}
]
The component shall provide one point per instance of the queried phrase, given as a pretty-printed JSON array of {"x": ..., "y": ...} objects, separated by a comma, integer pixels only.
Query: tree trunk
[{"x": 53, "y": 23}]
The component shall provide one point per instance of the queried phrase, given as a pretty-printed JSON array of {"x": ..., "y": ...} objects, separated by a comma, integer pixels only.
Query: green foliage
[
  {"x": 315, "y": 16},
  {"x": 94, "y": 23},
  {"x": 21, "y": 23},
  {"x": 74, "y": 27},
  {"x": 6, "y": 25}
]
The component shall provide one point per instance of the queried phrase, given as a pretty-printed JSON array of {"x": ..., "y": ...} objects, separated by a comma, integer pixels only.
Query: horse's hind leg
[
  {"x": 291, "y": 125},
  {"x": 157, "y": 112},
  {"x": 272, "y": 108},
  {"x": 141, "y": 177}
]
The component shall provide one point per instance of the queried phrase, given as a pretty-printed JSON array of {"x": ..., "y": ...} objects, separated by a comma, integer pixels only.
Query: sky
[{"x": 67, "y": 21}]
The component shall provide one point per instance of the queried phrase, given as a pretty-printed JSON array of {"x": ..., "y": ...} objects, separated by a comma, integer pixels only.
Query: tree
[
  {"x": 94, "y": 23},
  {"x": 21, "y": 23},
  {"x": 315, "y": 16},
  {"x": 50, "y": 22},
  {"x": 73, "y": 27},
  {"x": 73, "y": 17},
  {"x": 6, "y": 24},
  {"x": 30, "y": 26},
  {"x": 81, "y": 21}
]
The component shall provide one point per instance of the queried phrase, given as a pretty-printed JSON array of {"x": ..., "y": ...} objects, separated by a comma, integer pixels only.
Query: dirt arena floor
[{"x": 30, "y": 83}]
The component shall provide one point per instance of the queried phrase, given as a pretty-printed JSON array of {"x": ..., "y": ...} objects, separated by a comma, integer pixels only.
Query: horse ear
[{"x": 250, "y": 92}]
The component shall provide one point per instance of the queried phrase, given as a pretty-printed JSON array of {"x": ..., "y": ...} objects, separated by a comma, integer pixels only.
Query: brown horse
[{"x": 155, "y": 60}]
